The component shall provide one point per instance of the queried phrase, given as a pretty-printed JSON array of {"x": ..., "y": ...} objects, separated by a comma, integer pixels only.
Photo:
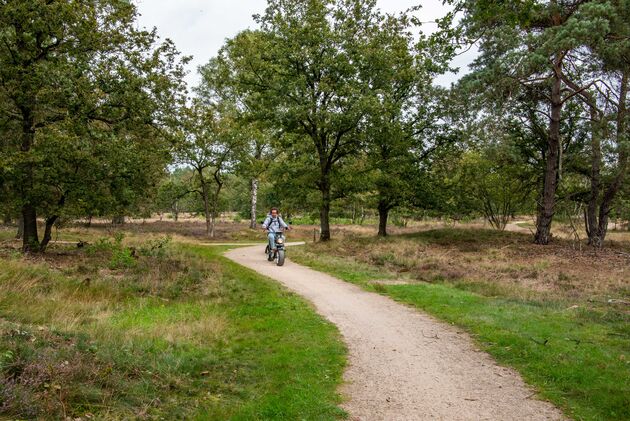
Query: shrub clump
[{"x": 50, "y": 375}]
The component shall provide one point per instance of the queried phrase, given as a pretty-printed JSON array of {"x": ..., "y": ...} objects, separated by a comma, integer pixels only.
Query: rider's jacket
[{"x": 274, "y": 224}]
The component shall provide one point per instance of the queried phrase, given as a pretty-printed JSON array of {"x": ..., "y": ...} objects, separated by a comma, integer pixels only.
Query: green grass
[
  {"x": 187, "y": 335},
  {"x": 295, "y": 359},
  {"x": 577, "y": 358},
  {"x": 344, "y": 268}
]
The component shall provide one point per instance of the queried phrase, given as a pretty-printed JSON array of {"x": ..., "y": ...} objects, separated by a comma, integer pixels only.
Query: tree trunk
[
  {"x": 206, "y": 207},
  {"x": 592, "y": 228},
  {"x": 50, "y": 222},
  {"x": 20, "y": 230},
  {"x": 7, "y": 219},
  {"x": 546, "y": 208},
  {"x": 622, "y": 166},
  {"x": 176, "y": 211},
  {"x": 30, "y": 238},
  {"x": 383, "y": 214},
  {"x": 254, "y": 202},
  {"x": 118, "y": 220},
  {"x": 215, "y": 202},
  {"x": 214, "y": 212},
  {"x": 324, "y": 212}
]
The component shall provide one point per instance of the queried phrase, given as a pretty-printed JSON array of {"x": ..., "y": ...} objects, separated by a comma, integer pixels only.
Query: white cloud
[{"x": 200, "y": 27}]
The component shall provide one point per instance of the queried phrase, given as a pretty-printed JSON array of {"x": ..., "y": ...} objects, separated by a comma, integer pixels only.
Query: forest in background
[{"x": 327, "y": 109}]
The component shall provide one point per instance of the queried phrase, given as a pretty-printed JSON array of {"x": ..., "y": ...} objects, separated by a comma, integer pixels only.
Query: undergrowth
[{"x": 129, "y": 328}]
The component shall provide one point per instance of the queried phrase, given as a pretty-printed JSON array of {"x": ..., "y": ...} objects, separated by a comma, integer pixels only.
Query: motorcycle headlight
[{"x": 280, "y": 240}]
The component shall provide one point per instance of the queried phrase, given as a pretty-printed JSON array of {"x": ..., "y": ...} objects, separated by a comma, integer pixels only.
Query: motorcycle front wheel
[{"x": 280, "y": 260}]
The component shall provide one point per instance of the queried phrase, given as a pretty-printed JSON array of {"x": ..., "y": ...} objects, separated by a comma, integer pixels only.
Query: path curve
[{"x": 404, "y": 365}]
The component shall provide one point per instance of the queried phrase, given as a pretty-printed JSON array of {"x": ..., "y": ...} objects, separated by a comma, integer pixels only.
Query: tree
[
  {"x": 402, "y": 140},
  {"x": 605, "y": 101},
  {"x": 209, "y": 143},
  {"x": 218, "y": 86},
  {"x": 607, "y": 116},
  {"x": 80, "y": 87},
  {"x": 397, "y": 77},
  {"x": 254, "y": 161},
  {"x": 525, "y": 46},
  {"x": 304, "y": 68},
  {"x": 496, "y": 181},
  {"x": 171, "y": 192}
]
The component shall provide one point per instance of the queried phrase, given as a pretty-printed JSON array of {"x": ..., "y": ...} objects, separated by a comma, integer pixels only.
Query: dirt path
[
  {"x": 515, "y": 227},
  {"x": 404, "y": 365}
]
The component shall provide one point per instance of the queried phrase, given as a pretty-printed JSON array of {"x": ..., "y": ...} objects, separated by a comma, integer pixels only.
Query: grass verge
[
  {"x": 574, "y": 355},
  {"x": 165, "y": 331}
]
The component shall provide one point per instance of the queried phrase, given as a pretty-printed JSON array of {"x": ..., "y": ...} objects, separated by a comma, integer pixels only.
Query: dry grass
[
  {"x": 140, "y": 327},
  {"x": 41, "y": 369},
  {"x": 56, "y": 307},
  {"x": 506, "y": 263},
  {"x": 425, "y": 251},
  {"x": 197, "y": 332}
]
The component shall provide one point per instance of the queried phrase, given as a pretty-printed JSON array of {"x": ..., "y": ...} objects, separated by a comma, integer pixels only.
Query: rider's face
[{"x": 274, "y": 213}]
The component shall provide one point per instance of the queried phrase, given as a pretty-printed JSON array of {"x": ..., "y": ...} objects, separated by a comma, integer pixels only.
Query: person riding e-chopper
[{"x": 274, "y": 227}]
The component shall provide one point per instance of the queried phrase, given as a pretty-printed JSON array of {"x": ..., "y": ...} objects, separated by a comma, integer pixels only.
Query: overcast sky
[{"x": 200, "y": 27}]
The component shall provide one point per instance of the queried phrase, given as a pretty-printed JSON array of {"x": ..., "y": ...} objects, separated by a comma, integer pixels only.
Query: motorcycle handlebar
[{"x": 283, "y": 230}]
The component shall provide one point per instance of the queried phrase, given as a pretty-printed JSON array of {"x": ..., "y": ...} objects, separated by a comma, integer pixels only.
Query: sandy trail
[
  {"x": 404, "y": 365},
  {"x": 515, "y": 227}
]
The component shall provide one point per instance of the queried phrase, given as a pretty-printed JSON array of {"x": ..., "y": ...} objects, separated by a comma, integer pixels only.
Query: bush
[
  {"x": 156, "y": 248},
  {"x": 121, "y": 257}
]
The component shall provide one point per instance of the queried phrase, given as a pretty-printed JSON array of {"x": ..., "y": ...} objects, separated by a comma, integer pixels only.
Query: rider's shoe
[{"x": 270, "y": 257}]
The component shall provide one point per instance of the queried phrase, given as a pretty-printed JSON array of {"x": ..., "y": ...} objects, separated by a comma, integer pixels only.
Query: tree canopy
[
  {"x": 328, "y": 107},
  {"x": 85, "y": 98}
]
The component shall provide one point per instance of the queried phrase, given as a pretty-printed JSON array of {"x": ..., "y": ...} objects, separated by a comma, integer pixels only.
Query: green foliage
[
  {"x": 125, "y": 257},
  {"x": 209, "y": 142},
  {"x": 156, "y": 248},
  {"x": 85, "y": 97},
  {"x": 319, "y": 72},
  {"x": 496, "y": 183},
  {"x": 120, "y": 256},
  {"x": 173, "y": 194},
  {"x": 121, "y": 259}
]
